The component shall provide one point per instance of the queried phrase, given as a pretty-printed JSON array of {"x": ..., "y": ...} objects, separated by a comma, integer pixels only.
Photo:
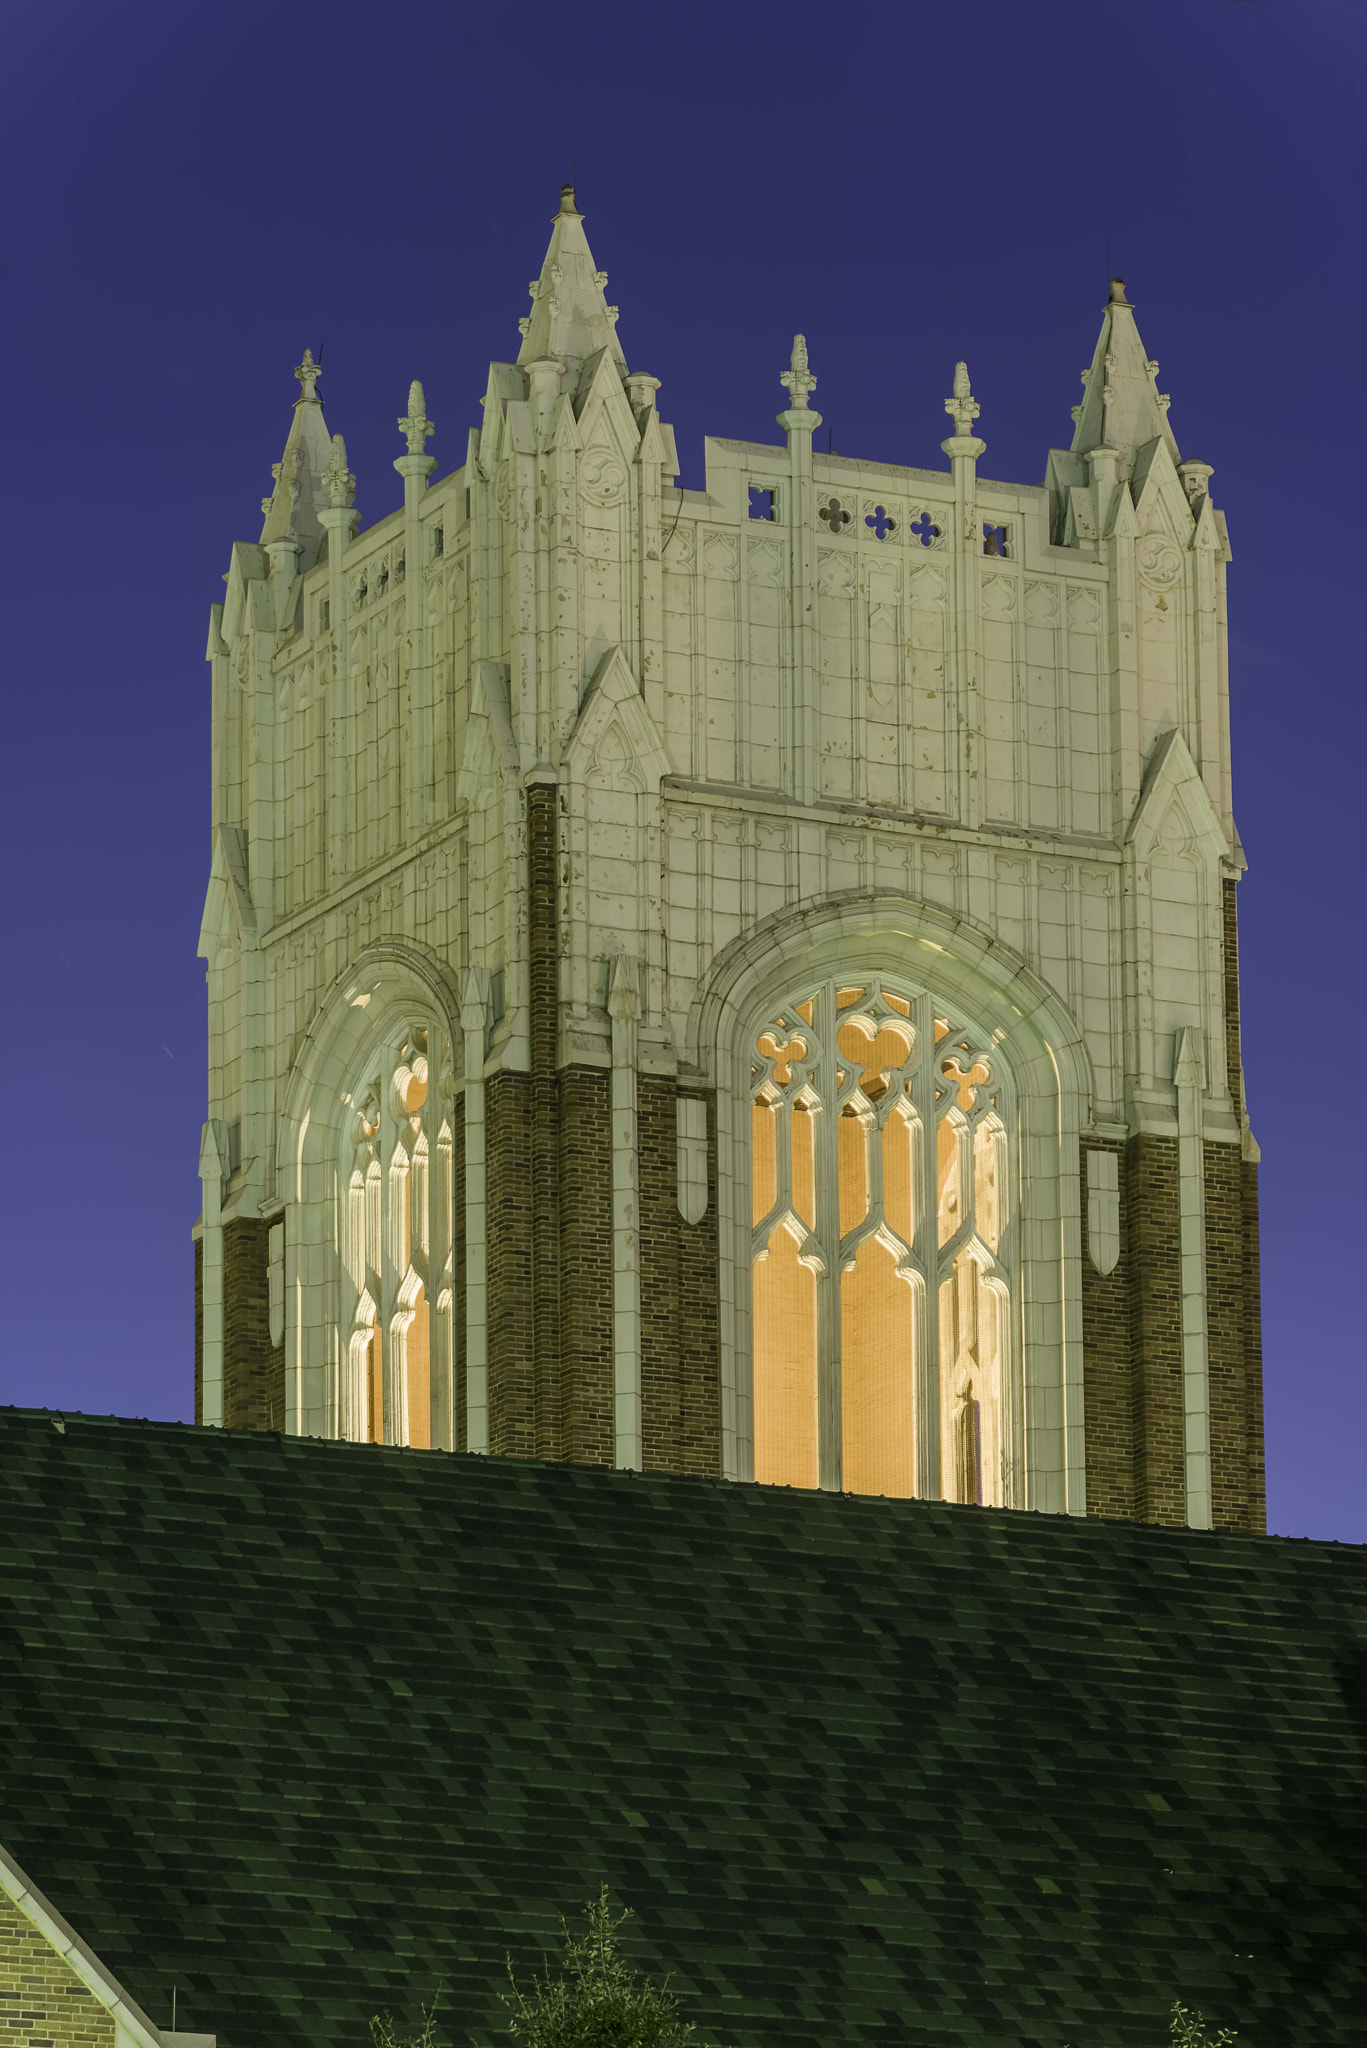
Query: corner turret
[
  {"x": 300, "y": 492},
  {"x": 1122, "y": 407},
  {"x": 570, "y": 317}
]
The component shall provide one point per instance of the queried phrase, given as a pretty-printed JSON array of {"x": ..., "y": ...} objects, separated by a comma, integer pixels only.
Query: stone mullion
[
  {"x": 459, "y": 1405},
  {"x": 926, "y": 1228},
  {"x": 439, "y": 1267},
  {"x": 393, "y": 1255},
  {"x": 826, "y": 1159}
]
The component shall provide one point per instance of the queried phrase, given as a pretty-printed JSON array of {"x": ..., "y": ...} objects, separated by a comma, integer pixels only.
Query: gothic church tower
[{"x": 739, "y": 981}]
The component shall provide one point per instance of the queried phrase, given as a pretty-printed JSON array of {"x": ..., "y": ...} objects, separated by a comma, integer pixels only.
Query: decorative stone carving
[
  {"x": 1158, "y": 562},
  {"x": 603, "y": 477}
]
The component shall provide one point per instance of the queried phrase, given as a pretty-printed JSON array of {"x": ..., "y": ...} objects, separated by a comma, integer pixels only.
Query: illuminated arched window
[
  {"x": 879, "y": 1187},
  {"x": 396, "y": 1247}
]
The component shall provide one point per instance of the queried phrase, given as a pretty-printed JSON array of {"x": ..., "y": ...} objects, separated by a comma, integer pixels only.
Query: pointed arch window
[
  {"x": 395, "y": 1330},
  {"x": 882, "y": 1245}
]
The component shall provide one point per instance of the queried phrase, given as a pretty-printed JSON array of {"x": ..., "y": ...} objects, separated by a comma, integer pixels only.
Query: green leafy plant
[
  {"x": 596, "y": 1999},
  {"x": 1189, "y": 2030},
  {"x": 384, "y": 2034}
]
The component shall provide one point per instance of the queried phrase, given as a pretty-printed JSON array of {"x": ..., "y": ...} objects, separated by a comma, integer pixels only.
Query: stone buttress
[{"x": 739, "y": 981}]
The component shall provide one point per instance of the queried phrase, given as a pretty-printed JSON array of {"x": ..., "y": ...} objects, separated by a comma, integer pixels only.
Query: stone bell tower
[{"x": 737, "y": 981}]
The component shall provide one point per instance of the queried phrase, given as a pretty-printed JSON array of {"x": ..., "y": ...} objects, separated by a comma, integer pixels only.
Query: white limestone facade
[{"x": 866, "y": 830}]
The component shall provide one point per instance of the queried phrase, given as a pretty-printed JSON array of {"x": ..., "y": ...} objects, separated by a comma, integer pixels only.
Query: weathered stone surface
[{"x": 538, "y": 800}]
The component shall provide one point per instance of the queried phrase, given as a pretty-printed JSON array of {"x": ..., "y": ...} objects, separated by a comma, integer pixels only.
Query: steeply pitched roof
[
  {"x": 301, "y": 1727},
  {"x": 570, "y": 316}
]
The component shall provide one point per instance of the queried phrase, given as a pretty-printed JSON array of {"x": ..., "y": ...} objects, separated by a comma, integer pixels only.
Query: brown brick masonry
[
  {"x": 199, "y": 1331},
  {"x": 253, "y": 1372},
  {"x": 680, "y": 1382},
  {"x": 544, "y": 983},
  {"x": 512, "y": 1276},
  {"x": 1108, "y": 1362},
  {"x": 586, "y": 1266},
  {"x": 43, "y": 2003}
]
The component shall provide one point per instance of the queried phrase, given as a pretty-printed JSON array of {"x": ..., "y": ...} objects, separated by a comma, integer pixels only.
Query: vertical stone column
[
  {"x": 474, "y": 1010},
  {"x": 963, "y": 449},
  {"x": 543, "y": 1005},
  {"x": 213, "y": 1154},
  {"x": 1115, "y": 522},
  {"x": 799, "y": 422},
  {"x": 415, "y": 467},
  {"x": 337, "y": 521},
  {"x": 623, "y": 1009},
  {"x": 1190, "y": 1078}
]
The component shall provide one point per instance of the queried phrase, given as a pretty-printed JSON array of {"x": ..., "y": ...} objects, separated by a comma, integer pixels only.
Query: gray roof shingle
[{"x": 302, "y": 1727}]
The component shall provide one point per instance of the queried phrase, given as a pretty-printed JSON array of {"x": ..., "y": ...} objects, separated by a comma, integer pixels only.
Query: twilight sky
[{"x": 195, "y": 193}]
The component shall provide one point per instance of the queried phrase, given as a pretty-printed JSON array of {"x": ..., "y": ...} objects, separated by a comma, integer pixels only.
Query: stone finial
[
  {"x": 1117, "y": 297},
  {"x": 567, "y": 204},
  {"x": 341, "y": 484},
  {"x": 799, "y": 380},
  {"x": 416, "y": 425},
  {"x": 963, "y": 407},
  {"x": 308, "y": 374}
]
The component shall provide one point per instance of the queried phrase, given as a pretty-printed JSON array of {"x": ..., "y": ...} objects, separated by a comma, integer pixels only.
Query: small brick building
[{"x": 737, "y": 982}]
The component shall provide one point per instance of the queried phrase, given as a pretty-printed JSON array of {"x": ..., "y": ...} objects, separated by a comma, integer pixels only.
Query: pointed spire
[
  {"x": 570, "y": 318},
  {"x": 1122, "y": 407},
  {"x": 291, "y": 510},
  {"x": 798, "y": 379},
  {"x": 417, "y": 426}
]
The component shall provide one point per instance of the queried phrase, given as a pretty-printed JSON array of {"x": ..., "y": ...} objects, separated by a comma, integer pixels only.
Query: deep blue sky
[{"x": 192, "y": 194}]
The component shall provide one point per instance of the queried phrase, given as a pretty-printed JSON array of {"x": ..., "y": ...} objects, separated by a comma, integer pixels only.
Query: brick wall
[
  {"x": 1225, "y": 1345},
  {"x": 43, "y": 2003},
  {"x": 680, "y": 1379},
  {"x": 512, "y": 1376},
  {"x": 544, "y": 975},
  {"x": 1155, "y": 1293},
  {"x": 700, "y": 1327},
  {"x": 661, "y": 1382},
  {"x": 1108, "y": 1362},
  {"x": 253, "y": 1372},
  {"x": 586, "y": 1266},
  {"x": 459, "y": 1432},
  {"x": 199, "y": 1331},
  {"x": 1256, "y": 1483}
]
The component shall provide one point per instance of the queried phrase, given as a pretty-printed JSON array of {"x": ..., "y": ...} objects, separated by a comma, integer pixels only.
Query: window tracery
[
  {"x": 881, "y": 1245},
  {"x": 395, "y": 1329}
]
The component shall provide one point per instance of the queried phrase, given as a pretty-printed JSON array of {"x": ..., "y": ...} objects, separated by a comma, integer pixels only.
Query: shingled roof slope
[{"x": 300, "y": 1727}]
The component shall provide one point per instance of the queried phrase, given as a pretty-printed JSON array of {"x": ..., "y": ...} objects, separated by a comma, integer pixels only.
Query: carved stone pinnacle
[{"x": 798, "y": 380}]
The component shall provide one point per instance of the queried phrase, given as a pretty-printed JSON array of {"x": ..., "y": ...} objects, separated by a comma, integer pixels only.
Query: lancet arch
[
  {"x": 365, "y": 1176},
  {"x": 977, "y": 1123}
]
